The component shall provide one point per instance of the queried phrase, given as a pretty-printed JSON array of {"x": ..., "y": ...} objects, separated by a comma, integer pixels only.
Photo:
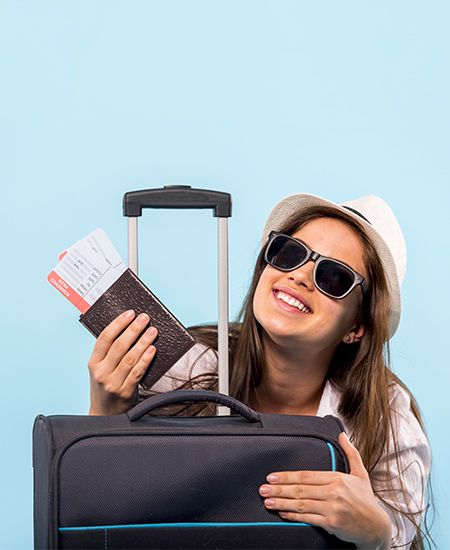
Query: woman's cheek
[
  {"x": 272, "y": 323},
  {"x": 330, "y": 325},
  {"x": 262, "y": 295},
  {"x": 341, "y": 321},
  {"x": 256, "y": 302}
]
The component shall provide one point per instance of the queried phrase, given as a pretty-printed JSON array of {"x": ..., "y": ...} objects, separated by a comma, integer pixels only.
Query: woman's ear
[{"x": 354, "y": 335}]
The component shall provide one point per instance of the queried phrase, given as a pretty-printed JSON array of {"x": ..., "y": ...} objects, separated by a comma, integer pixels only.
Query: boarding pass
[{"x": 87, "y": 269}]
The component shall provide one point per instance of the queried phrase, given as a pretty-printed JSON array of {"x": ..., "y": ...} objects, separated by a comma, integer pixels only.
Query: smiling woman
[{"x": 312, "y": 338}]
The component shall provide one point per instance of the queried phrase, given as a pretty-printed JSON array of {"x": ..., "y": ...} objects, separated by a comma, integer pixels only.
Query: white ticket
[{"x": 87, "y": 269}]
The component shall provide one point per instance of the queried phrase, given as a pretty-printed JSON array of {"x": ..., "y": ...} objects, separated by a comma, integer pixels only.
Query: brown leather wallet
[{"x": 129, "y": 292}]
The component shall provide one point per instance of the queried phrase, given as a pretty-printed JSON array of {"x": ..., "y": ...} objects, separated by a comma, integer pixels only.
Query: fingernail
[
  {"x": 150, "y": 331},
  {"x": 272, "y": 478},
  {"x": 265, "y": 490},
  {"x": 282, "y": 515},
  {"x": 143, "y": 318},
  {"x": 269, "y": 502},
  {"x": 129, "y": 314},
  {"x": 150, "y": 351}
]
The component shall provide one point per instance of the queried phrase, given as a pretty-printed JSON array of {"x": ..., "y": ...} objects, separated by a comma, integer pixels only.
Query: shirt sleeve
[
  {"x": 196, "y": 361},
  {"x": 413, "y": 469}
]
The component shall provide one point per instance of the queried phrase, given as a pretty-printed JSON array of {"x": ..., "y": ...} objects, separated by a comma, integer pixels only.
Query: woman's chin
[{"x": 280, "y": 331}]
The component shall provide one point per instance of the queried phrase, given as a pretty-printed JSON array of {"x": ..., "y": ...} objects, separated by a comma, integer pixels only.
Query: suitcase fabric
[
  {"x": 134, "y": 481},
  {"x": 137, "y": 481}
]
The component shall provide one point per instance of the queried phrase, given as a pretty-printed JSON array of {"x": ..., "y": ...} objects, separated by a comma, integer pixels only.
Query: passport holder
[{"x": 129, "y": 292}]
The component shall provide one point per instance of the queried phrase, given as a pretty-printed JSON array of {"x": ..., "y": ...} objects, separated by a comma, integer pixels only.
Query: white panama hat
[{"x": 380, "y": 224}]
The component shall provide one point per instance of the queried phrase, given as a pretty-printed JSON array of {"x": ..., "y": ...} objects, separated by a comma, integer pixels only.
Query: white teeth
[{"x": 292, "y": 301}]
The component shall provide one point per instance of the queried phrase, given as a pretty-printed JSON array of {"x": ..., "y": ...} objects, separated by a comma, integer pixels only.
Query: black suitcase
[{"x": 134, "y": 480}]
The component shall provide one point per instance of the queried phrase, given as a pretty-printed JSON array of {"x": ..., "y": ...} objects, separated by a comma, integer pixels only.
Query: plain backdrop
[{"x": 257, "y": 98}]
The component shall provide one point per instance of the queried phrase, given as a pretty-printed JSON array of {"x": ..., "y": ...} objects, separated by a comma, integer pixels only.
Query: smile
[{"x": 291, "y": 303}]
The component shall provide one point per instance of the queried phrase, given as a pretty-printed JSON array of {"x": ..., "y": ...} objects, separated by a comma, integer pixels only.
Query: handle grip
[
  {"x": 177, "y": 196},
  {"x": 193, "y": 396}
]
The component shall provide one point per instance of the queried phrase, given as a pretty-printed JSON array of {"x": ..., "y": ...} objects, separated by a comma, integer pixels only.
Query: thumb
[{"x": 354, "y": 458}]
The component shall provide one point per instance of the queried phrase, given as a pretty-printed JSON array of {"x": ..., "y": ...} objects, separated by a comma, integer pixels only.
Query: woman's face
[{"x": 329, "y": 320}]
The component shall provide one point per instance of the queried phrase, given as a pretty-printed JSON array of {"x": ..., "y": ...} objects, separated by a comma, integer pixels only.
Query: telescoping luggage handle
[
  {"x": 186, "y": 197},
  {"x": 191, "y": 396}
]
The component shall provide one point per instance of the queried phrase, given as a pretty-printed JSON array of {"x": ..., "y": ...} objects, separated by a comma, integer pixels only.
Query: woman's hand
[
  {"x": 343, "y": 504},
  {"x": 118, "y": 362}
]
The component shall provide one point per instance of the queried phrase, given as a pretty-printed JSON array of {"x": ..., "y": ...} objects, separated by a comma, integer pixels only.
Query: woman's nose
[{"x": 303, "y": 275}]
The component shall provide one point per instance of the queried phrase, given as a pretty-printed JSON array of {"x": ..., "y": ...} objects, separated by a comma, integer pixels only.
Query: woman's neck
[{"x": 293, "y": 380}]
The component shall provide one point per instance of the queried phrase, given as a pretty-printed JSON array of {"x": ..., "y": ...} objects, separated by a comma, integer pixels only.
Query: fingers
[
  {"x": 136, "y": 361},
  {"x": 122, "y": 344},
  {"x": 303, "y": 506},
  {"x": 314, "y": 519},
  {"x": 121, "y": 356},
  {"x": 137, "y": 372},
  {"x": 109, "y": 334},
  {"x": 304, "y": 477},
  {"x": 356, "y": 464},
  {"x": 295, "y": 491},
  {"x": 307, "y": 504}
]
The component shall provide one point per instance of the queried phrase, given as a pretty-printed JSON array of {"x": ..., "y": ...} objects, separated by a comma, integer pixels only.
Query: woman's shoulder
[
  {"x": 404, "y": 422},
  {"x": 399, "y": 397},
  {"x": 410, "y": 434}
]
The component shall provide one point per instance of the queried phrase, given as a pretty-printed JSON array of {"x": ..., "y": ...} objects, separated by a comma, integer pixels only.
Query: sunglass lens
[
  {"x": 285, "y": 254},
  {"x": 333, "y": 278}
]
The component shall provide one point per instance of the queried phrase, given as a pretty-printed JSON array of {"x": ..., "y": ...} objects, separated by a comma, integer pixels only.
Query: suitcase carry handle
[
  {"x": 177, "y": 196},
  {"x": 193, "y": 396}
]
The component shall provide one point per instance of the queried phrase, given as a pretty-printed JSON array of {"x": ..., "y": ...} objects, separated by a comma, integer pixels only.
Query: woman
[{"x": 312, "y": 338}]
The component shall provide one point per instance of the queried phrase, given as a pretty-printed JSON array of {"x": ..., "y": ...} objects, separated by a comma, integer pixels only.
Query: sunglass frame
[{"x": 317, "y": 259}]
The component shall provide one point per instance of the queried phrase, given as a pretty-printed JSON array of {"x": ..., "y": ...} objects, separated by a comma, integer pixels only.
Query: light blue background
[{"x": 257, "y": 98}]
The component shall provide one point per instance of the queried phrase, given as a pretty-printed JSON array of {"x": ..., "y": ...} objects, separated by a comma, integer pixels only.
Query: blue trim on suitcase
[
  {"x": 333, "y": 457},
  {"x": 186, "y": 525}
]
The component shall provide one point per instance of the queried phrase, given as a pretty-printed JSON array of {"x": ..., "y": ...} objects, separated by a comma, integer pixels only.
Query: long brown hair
[{"x": 361, "y": 371}]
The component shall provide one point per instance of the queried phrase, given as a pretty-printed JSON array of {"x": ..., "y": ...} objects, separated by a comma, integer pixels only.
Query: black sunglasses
[{"x": 331, "y": 277}]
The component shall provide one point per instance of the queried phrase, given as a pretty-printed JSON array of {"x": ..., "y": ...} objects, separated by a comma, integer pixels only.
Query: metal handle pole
[
  {"x": 133, "y": 244},
  {"x": 222, "y": 225}
]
